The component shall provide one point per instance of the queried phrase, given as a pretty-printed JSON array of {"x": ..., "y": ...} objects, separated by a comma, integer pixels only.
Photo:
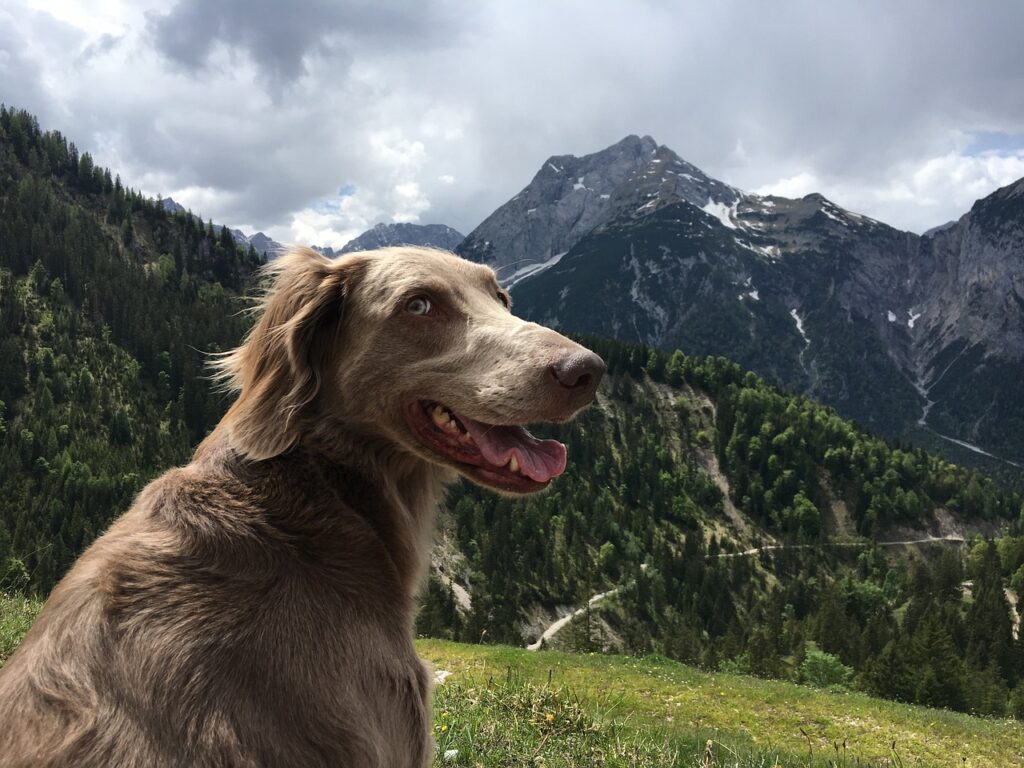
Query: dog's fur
[{"x": 255, "y": 607}]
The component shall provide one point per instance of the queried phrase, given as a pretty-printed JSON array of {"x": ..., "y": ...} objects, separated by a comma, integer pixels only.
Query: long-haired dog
[{"x": 255, "y": 607}]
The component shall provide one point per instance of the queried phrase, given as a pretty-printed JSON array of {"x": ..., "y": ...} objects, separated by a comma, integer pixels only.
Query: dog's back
[{"x": 224, "y": 621}]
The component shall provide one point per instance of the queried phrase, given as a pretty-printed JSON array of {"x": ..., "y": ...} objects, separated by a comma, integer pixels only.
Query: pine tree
[
  {"x": 989, "y": 627},
  {"x": 889, "y": 674},
  {"x": 940, "y": 672}
]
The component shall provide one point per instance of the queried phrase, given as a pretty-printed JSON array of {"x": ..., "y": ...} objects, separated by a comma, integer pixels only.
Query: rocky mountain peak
[
  {"x": 666, "y": 179},
  {"x": 383, "y": 235},
  {"x": 1002, "y": 212},
  {"x": 632, "y": 150},
  {"x": 172, "y": 206},
  {"x": 265, "y": 245},
  {"x": 571, "y": 196}
]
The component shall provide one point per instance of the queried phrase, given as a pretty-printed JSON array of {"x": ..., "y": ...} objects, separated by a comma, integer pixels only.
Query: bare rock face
[
  {"x": 969, "y": 340},
  {"x": 568, "y": 198},
  {"x": 901, "y": 332},
  {"x": 384, "y": 235},
  {"x": 571, "y": 197},
  {"x": 972, "y": 276},
  {"x": 265, "y": 245}
]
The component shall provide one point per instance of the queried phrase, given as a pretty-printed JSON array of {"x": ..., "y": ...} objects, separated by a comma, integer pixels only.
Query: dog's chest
[{"x": 347, "y": 691}]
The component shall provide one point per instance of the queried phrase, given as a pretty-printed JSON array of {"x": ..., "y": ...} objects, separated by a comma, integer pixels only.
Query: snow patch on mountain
[
  {"x": 832, "y": 212},
  {"x": 724, "y": 213},
  {"x": 770, "y": 252},
  {"x": 530, "y": 270},
  {"x": 799, "y": 321},
  {"x": 799, "y": 325}
]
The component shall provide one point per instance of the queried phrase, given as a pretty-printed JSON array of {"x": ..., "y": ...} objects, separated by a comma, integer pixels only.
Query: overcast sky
[{"x": 314, "y": 119}]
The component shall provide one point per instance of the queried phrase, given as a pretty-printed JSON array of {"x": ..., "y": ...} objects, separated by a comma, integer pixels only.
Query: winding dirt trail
[
  {"x": 556, "y": 626},
  {"x": 905, "y": 542}
]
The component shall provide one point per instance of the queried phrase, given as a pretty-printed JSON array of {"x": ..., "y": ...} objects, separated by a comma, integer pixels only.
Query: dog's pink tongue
[{"x": 539, "y": 460}]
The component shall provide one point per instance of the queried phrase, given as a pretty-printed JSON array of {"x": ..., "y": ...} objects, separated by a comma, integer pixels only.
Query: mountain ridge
[
  {"x": 827, "y": 301},
  {"x": 378, "y": 236},
  {"x": 382, "y": 235}
]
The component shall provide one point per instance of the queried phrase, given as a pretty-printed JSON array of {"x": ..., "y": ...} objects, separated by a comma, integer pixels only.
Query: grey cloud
[
  {"x": 104, "y": 44},
  {"x": 21, "y": 76},
  {"x": 850, "y": 92},
  {"x": 27, "y": 41},
  {"x": 280, "y": 35}
]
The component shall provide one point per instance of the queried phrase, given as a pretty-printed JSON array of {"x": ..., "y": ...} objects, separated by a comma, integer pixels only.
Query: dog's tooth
[{"x": 513, "y": 463}]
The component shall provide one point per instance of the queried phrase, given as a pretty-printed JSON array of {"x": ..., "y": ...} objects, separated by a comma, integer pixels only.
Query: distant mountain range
[
  {"x": 380, "y": 236},
  {"x": 383, "y": 235},
  {"x": 915, "y": 336}
]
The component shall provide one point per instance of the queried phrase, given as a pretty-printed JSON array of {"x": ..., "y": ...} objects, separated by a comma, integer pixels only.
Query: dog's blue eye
[{"x": 418, "y": 306}]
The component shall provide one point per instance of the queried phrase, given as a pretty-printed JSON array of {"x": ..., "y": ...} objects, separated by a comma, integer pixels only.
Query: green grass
[
  {"x": 662, "y": 708},
  {"x": 503, "y": 707},
  {"x": 16, "y": 615}
]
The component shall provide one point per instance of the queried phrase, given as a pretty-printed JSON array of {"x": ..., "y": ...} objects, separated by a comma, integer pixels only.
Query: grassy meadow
[{"x": 619, "y": 711}]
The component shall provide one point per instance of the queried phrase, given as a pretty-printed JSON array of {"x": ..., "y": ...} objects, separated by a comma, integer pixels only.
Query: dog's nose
[{"x": 579, "y": 370}]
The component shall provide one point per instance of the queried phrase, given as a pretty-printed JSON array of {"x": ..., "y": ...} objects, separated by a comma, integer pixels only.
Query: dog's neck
[
  {"x": 396, "y": 493},
  {"x": 400, "y": 493}
]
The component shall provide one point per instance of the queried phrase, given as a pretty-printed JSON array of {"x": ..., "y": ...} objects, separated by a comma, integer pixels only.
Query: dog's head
[{"x": 414, "y": 346}]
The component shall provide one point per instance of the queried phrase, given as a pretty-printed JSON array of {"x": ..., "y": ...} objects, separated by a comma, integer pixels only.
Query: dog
[{"x": 255, "y": 607}]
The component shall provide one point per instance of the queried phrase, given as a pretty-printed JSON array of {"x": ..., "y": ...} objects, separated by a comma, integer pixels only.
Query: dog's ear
[{"x": 278, "y": 369}]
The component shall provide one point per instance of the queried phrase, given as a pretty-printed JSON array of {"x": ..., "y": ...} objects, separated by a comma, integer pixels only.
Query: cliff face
[{"x": 969, "y": 342}]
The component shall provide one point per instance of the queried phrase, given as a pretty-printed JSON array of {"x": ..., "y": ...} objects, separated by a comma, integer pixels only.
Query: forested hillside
[
  {"x": 642, "y": 509},
  {"x": 108, "y": 303}
]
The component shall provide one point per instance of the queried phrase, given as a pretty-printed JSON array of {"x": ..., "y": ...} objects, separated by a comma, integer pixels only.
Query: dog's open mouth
[{"x": 506, "y": 457}]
